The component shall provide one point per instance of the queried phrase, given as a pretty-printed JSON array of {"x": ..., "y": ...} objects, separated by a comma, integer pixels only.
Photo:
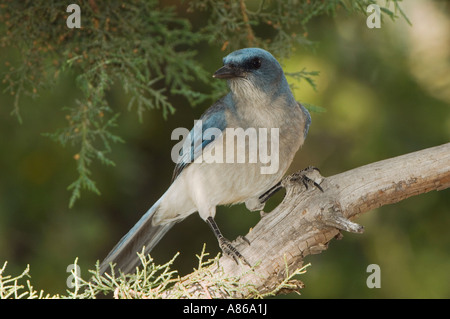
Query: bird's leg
[
  {"x": 265, "y": 197},
  {"x": 225, "y": 244},
  {"x": 307, "y": 181},
  {"x": 269, "y": 193}
]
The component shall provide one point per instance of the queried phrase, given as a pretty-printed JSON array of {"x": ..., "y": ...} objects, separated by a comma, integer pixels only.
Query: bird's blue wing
[{"x": 196, "y": 141}]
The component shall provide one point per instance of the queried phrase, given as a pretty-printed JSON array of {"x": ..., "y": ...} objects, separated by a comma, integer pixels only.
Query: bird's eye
[{"x": 256, "y": 63}]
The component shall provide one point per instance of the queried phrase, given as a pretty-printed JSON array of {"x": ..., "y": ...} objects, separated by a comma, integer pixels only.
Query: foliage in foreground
[{"x": 150, "y": 281}]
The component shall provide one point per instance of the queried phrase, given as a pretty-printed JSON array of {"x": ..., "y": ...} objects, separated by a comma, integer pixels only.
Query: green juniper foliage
[
  {"x": 150, "y": 281},
  {"x": 146, "y": 47}
]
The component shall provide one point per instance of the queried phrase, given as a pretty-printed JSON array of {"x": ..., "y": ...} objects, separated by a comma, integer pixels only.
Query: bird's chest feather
[{"x": 268, "y": 117}]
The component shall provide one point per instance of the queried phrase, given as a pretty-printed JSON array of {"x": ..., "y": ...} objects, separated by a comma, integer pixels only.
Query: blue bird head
[{"x": 255, "y": 66}]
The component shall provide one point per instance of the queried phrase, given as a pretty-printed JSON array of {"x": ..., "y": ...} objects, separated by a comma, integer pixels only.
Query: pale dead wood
[{"x": 306, "y": 220}]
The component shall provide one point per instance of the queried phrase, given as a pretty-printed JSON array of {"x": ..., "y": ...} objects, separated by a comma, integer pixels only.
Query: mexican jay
[{"x": 260, "y": 101}]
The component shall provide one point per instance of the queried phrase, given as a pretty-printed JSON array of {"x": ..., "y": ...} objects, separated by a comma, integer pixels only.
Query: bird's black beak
[{"x": 227, "y": 72}]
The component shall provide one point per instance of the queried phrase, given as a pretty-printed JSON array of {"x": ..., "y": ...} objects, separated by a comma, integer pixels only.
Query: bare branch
[{"x": 307, "y": 219}]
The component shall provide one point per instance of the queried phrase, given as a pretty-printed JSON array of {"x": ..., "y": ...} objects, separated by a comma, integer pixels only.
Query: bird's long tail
[{"x": 124, "y": 254}]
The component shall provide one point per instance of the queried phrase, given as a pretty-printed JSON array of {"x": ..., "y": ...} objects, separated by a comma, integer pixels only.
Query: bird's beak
[{"x": 227, "y": 72}]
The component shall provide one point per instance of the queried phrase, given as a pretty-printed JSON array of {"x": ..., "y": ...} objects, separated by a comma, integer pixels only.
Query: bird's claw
[
  {"x": 307, "y": 181},
  {"x": 245, "y": 239},
  {"x": 229, "y": 250}
]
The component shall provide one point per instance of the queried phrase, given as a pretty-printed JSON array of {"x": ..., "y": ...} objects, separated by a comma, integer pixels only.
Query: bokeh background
[{"x": 384, "y": 92}]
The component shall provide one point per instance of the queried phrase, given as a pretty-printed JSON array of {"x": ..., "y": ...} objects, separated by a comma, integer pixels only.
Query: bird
[{"x": 259, "y": 99}]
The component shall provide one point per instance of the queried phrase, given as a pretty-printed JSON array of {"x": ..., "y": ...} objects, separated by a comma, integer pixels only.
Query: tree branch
[{"x": 307, "y": 219}]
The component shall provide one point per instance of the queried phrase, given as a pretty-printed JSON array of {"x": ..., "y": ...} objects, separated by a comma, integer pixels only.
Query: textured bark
[{"x": 307, "y": 219}]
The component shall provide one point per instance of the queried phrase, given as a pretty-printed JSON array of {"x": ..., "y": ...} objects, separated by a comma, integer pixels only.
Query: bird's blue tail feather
[{"x": 124, "y": 254}]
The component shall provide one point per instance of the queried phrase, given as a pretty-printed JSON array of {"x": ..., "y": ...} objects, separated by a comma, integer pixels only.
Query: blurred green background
[{"x": 385, "y": 92}]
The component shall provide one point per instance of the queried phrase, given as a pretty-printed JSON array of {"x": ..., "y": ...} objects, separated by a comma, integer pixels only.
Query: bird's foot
[
  {"x": 229, "y": 250},
  {"x": 310, "y": 177},
  {"x": 224, "y": 244},
  {"x": 244, "y": 239}
]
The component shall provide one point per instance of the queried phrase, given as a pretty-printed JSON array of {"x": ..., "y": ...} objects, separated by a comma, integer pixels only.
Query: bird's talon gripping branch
[
  {"x": 299, "y": 176},
  {"x": 309, "y": 176},
  {"x": 229, "y": 250},
  {"x": 245, "y": 239}
]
